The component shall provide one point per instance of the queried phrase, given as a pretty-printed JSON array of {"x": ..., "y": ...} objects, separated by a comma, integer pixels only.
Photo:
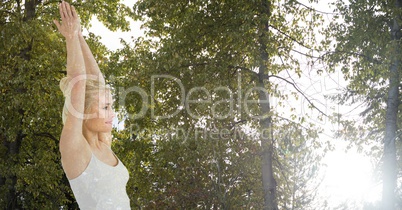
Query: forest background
[{"x": 222, "y": 104}]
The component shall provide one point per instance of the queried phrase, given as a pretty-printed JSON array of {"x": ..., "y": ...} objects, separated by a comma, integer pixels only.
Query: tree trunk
[
  {"x": 266, "y": 138},
  {"x": 389, "y": 157},
  {"x": 13, "y": 148}
]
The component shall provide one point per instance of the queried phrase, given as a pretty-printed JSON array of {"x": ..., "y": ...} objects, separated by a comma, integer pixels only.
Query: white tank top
[{"x": 101, "y": 186}]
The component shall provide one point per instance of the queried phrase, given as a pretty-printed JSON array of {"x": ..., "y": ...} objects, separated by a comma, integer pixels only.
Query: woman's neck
[
  {"x": 92, "y": 138},
  {"x": 96, "y": 139}
]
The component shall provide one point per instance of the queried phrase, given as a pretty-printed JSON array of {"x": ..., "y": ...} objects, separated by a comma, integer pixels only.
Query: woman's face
[{"x": 102, "y": 114}]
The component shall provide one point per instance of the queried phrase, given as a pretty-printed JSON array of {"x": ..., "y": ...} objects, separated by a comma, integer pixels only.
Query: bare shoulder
[{"x": 75, "y": 153}]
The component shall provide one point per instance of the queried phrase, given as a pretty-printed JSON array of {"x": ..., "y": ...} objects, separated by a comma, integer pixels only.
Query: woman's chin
[{"x": 109, "y": 127}]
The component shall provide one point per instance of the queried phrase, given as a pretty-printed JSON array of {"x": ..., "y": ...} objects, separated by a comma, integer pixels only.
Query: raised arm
[
  {"x": 91, "y": 65},
  {"x": 70, "y": 28},
  {"x": 75, "y": 151}
]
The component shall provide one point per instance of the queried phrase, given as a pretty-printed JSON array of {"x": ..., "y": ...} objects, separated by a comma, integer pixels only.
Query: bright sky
[
  {"x": 112, "y": 39},
  {"x": 348, "y": 175},
  {"x": 349, "y": 178}
]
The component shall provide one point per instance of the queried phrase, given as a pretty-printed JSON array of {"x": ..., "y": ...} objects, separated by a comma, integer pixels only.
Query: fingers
[
  {"x": 57, "y": 24},
  {"x": 73, "y": 12},
  {"x": 70, "y": 22},
  {"x": 67, "y": 11},
  {"x": 61, "y": 10}
]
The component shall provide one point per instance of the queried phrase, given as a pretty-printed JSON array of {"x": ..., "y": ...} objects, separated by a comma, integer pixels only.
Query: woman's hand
[{"x": 70, "y": 26}]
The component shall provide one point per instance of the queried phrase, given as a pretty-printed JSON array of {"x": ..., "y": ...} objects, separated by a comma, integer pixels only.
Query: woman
[{"x": 97, "y": 177}]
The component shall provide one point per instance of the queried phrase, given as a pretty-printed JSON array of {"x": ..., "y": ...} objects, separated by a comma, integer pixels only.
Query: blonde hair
[{"x": 92, "y": 89}]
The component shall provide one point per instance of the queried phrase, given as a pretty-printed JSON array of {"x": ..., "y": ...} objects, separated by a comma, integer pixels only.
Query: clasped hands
[{"x": 70, "y": 26}]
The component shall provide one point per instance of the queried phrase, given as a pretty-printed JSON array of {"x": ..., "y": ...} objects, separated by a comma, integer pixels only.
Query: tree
[
  {"x": 298, "y": 160},
  {"x": 208, "y": 54},
  {"x": 175, "y": 162},
  {"x": 367, "y": 47},
  {"x": 32, "y": 63}
]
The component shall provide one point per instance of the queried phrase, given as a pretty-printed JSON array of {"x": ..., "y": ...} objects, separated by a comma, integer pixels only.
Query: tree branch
[
  {"x": 370, "y": 59},
  {"x": 313, "y": 9},
  {"x": 48, "y": 135},
  {"x": 288, "y": 36},
  {"x": 299, "y": 91},
  {"x": 292, "y": 122},
  {"x": 254, "y": 74}
]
